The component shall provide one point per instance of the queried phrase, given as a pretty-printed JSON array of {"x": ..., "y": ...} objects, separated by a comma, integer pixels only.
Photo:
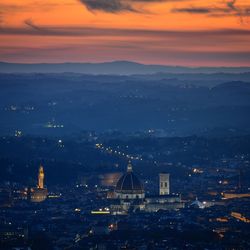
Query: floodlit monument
[
  {"x": 39, "y": 193},
  {"x": 129, "y": 195}
]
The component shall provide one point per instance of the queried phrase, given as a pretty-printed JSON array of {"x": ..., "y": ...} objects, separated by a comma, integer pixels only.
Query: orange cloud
[{"x": 151, "y": 31}]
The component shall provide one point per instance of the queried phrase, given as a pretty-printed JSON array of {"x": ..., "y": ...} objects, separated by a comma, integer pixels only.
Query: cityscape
[
  {"x": 124, "y": 125},
  {"x": 129, "y": 201}
]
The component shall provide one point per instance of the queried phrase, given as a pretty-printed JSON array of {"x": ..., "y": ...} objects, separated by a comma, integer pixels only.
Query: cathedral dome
[{"x": 129, "y": 183}]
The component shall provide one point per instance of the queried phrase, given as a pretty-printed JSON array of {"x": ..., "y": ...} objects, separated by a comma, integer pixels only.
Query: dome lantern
[{"x": 129, "y": 167}]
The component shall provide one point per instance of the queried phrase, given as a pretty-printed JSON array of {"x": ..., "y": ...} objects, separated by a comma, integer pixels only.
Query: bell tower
[{"x": 164, "y": 184}]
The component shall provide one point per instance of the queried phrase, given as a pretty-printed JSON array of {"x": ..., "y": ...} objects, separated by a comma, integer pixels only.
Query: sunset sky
[{"x": 170, "y": 32}]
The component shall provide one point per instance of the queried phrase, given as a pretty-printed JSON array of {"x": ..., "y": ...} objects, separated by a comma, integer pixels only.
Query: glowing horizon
[{"x": 167, "y": 32}]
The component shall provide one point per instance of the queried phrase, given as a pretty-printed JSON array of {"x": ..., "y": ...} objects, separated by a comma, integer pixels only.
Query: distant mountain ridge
[
  {"x": 234, "y": 85},
  {"x": 113, "y": 68}
]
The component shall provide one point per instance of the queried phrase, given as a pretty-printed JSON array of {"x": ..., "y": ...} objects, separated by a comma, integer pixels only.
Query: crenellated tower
[{"x": 41, "y": 177}]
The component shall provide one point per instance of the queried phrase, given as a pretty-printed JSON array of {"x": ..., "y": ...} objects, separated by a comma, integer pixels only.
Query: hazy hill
[
  {"x": 68, "y": 103},
  {"x": 114, "y": 68}
]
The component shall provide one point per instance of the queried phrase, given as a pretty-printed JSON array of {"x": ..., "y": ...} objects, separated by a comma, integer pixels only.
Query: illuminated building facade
[
  {"x": 235, "y": 195},
  {"x": 129, "y": 195},
  {"x": 39, "y": 193},
  {"x": 164, "y": 184},
  {"x": 240, "y": 217},
  {"x": 40, "y": 178}
]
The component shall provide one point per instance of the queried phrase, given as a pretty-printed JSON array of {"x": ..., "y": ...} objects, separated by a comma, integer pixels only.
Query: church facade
[{"x": 129, "y": 195}]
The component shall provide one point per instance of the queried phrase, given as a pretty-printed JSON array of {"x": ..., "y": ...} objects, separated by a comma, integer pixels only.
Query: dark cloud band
[
  {"x": 34, "y": 29},
  {"x": 115, "y": 6},
  {"x": 111, "y": 6},
  {"x": 229, "y": 9}
]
